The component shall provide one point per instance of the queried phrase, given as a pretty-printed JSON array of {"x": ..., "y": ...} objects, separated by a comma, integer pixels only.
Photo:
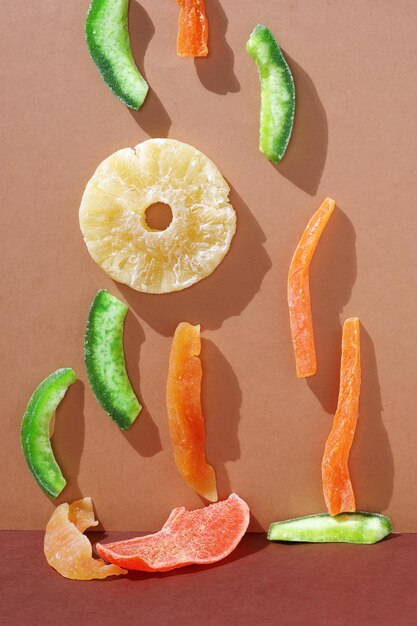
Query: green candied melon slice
[
  {"x": 34, "y": 435},
  {"x": 277, "y": 93},
  {"x": 105, "y": 361},
  {"x": 108, "y": 42},
  {"x": 356, "y": 527}
]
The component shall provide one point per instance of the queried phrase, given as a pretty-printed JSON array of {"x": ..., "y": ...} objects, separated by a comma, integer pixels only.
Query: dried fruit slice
[
  {"x": 357, "y": 527},
  {"x": 105, "y": 361},
  {"x": 277, "y": 93},
  {"x": 337, "y": 487},
  {"x": 113, "y": 220},
  {"x": 66, "y": 548},
  {"x": 185, "y": 416},
  {"x": 192, "y": 29},
  {"x": 34, "y": 434},
  {"x": 201, "y": 537},
  {"x": 108, "y": 42},
  {"x": 301, "y": 319}
]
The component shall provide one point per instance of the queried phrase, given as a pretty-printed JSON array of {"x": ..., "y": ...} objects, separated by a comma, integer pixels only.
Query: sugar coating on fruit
[{"x": 113, "y": 221}]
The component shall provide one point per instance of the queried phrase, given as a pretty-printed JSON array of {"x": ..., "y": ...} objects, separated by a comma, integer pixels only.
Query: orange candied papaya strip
[
  {"x": 337, "y": 487},
  {"x": 301, "y": 320},
  {"x": 185, "y": 416},
  {"x": 192, "y": 29}
]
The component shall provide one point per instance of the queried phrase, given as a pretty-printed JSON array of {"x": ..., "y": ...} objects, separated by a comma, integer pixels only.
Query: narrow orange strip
[
  {"x": 185, "y": 416},
  {"x": 192, "y": 29},
  {"x": 301, "y": 319},
  {"x": 337, "y": 487}
]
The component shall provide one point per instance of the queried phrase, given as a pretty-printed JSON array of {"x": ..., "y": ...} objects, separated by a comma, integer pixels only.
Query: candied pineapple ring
[{"x": 113, "y": 216}]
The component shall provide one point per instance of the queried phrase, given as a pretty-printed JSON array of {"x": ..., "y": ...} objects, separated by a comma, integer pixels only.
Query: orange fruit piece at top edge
[
  {"x": 69, "y": 551},
  {"x": 185, "y": 416},
  {"x": 200, "y": 537},
  {"x": 192, "y": 29},
  {"x": 337, "y": 486},
  {"x": 299, "y": 304}
]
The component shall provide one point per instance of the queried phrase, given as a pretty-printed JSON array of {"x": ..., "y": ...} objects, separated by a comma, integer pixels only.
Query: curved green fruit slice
[
  {"x": 34, "y": 435},
  {"x": 105, "y": 361},
  {"x": 108, "y": 42},
  {"x": 277, "y": 93},
  {"x": 356, "y": 527}
]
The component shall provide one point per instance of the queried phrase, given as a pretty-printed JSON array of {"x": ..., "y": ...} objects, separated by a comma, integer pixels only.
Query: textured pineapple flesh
[{"x": 113, "y": 216}]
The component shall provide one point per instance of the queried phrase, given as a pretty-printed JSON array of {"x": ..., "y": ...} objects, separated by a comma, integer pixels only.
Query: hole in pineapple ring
[{"x": 158, "y": 216}]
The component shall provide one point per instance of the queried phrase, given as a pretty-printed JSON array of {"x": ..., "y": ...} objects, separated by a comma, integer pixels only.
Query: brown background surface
[{"x": 354, "y": 139}]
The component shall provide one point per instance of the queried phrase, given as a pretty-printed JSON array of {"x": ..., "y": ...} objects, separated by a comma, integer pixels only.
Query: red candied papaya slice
[{"x": 200, "y": 537}]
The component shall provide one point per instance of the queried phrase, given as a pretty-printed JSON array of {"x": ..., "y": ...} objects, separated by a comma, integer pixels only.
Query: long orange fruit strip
[
  {"x": 337, "y": 487},
  {"x": 301, "y": 319},
  {"x": 192, "y": 29},
  {"x": 185, "y": 416}
]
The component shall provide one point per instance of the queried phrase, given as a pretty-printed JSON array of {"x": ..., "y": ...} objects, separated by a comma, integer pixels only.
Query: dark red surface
[{"x": 260, "y": 583}]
